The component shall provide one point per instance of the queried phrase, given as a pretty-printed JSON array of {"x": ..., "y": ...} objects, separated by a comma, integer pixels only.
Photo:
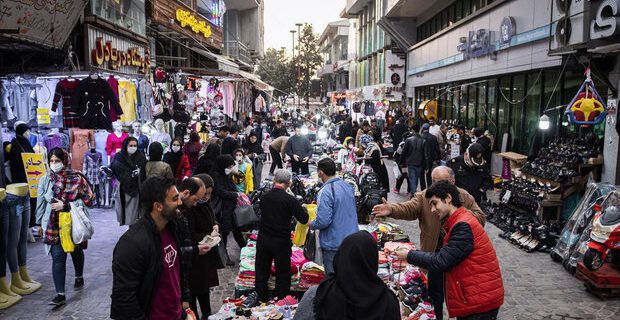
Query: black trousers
[
  {"x": 204, "y": 302},
  {"x": 490, "y": 315},
  {"x": 399, "y": 182},
  {"x": 435, "y": 291},
  {"x": 425, "y": 179},
  {"x": 278, "y": 250},
  {"x": 298, "y": 166},
  {"x": 237, "y": 235},
  {"x": 276, "y": 160}
]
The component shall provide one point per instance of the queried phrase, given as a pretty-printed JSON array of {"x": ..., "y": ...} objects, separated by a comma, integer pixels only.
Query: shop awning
[
  {"x": 260, "y": 84},
  {"x": 223, "y": 63}
]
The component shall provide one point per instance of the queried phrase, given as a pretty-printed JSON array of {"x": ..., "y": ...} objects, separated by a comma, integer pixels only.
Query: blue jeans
[
  {"x": 19, "y": 218},
  {"x": 328, "y": 260},
  {"x": 4, "y": 237},
  {"x": 59, "y": 265},
  {"x": 413, "y": 174}
]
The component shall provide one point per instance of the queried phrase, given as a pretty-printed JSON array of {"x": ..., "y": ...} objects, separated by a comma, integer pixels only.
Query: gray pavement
[{"x": 536, "y": 287}]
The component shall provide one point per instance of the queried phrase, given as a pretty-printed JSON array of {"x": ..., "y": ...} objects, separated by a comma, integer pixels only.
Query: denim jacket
[
  {"x": 336, "y": 216},
  {"x": 45, "y": 194}
]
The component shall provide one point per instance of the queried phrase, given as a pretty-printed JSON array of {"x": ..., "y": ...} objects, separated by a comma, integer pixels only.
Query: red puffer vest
[{"x": 474, "y": 285}]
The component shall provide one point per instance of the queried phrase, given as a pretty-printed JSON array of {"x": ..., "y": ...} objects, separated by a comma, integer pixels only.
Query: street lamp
[
  {"x": 544, "y": 123},
  {"x": 299, "y": 24},
  {"x": 293, "y": 47}
]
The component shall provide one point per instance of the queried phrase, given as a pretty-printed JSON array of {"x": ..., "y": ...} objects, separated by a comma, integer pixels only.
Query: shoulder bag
[{"x": 244, "y": 212}]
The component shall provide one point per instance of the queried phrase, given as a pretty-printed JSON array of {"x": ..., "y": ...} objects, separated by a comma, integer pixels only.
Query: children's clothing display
[
  {"x": 146, "y": 100},
  {"x": 127, "y": 96},
  {"x": 82, "y": 140},
  {"x": 114, "y": 85},
  {"x": 90, "y": 166},
  {"x": 114, "y": 144},
  {"x": 64, "y": 91},
  {"x": 92, "y": 101},
  {"x": 56, "y": 139},
  {"x": 101, "y": 138}
]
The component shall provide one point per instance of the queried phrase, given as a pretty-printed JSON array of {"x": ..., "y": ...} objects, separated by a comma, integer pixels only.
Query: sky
[{"x": 281, "y": 16}]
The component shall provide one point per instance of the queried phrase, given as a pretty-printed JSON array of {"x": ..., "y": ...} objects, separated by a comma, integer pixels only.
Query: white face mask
[
  {"x": 26, "y": 134},
  {"x": 132, "y": 150},
  {"x": 56, "y": 167},
  {"x": 176, "y": 148},
  {"x": 239, "y": 158},
  {"x": 228, "y": 171}
]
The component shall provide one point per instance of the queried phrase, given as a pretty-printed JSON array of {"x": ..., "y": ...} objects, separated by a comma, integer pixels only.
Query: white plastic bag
[
  {"x": 396, "y": 172},
  {"x": 81, "y": 227}
]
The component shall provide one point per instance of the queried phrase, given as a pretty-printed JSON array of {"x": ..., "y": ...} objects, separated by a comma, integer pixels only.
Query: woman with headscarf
[
  {"x": 207, "y": 161},
  {"x": 178, "y": 161},
  {"x": 244, "y": 177},
  {"x": 256, "y": 153},
  {"x": 56, "y": 191},
  {"x": 155, "y": 167},
  {"x": 192, "y": 150},
  {"x": 225, "y": 199},
  {"x": 128, "y": 168},
  {"x": 203, "y": 275},
  {"x": 373, "y": 158},
  {"x": 353, "y": 291}
]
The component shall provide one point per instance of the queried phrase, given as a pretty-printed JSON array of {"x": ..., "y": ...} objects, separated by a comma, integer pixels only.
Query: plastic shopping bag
[
  {"x": 64, "y": 224},
  {"x": 81, "y": 227},
  {"x": 302, "y": 229},
  {"x": 396, "y": 171}
]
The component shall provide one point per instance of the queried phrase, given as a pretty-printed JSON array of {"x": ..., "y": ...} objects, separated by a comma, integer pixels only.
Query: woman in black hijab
[
  {"x": 207, "y": 161},
  {"x": 353, "y": 291},
  {"x": 128, "y": 167},
  {"x": 225, "y": 199}
]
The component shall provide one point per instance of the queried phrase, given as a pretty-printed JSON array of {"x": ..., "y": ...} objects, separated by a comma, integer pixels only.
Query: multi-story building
[
  {"x": 378, "y": 74},
  {"x": 244, "y": 29},
  {"x": 334, "y": 46}
]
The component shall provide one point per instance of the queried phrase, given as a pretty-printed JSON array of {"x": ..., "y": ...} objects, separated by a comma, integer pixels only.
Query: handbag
[
  {"x": 310, "y": 245},
  {"x": 64, "y": 225},
  {"x": 244, "y": 214},
  {"x": 81, "y": 227}
]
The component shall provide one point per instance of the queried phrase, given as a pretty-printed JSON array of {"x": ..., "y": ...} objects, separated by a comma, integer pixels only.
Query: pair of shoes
[
  {"x": 287, "y": 301},
  {"x": 251, "y": 301},
  {"x": 397, "y": 191},
  {"x": 59, "y": 300},
  {"x": 79, "y": 284}
]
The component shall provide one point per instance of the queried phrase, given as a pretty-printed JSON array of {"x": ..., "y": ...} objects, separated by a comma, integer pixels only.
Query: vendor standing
[
  {"x": 299, "y": 149},
  {"x": 274, "y": 236}
]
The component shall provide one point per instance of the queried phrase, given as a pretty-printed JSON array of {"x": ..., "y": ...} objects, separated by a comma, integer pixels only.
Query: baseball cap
[{"x": 426, "y": 126}]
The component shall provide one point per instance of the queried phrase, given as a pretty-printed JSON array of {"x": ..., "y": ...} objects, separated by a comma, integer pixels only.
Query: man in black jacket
[
  {"x": 471, "y": 172},
  {"x": 230, "y": 143},
  {"x": 299, "y": 149},
  {"x": 414, "y": 157},
  {"x": 274, "y": 236},
  {"x": 397, "y": 132},
  {"x": 278, "y": 130},
  {"x": 146, "y": 266},
  {"x": 431, "y": 153}
]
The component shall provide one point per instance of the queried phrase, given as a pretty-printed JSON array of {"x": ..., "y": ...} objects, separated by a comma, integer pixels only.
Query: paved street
[{"x": 536, "y": 287}]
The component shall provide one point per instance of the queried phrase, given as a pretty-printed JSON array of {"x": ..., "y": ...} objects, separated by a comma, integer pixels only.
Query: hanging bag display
[
  {"x": 244, "y": 212},
  {"x": 587, "y": 107},
  {"x": 64, "y": 225},
  {"x": 81, "y": 227}
]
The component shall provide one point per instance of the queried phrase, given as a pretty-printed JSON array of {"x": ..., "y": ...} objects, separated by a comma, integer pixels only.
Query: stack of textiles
[
  {"x": 397, "y": 265},
  {"x": 384, "y": 267},
  {"x": 311, "y": 275},
  {"x": 247, "y": 272}
]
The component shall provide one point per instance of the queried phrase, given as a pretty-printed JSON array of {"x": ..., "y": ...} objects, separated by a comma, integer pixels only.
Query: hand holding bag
[
  {"x": 244, "y": 214},
  {"x": 81, "y": 227}
]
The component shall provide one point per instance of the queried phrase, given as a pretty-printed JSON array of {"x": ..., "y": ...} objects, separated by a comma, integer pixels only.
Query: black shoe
[
  {"x": 251, "y": 301},
  {"x": 59, "y": 300},
  {"x": 79, "y": 284}
]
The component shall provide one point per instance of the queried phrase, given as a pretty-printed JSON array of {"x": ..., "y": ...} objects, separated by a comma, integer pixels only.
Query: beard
[{"x": 170, "y": 213}]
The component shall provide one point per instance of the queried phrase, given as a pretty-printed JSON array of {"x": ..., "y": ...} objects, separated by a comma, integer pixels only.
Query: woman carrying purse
[{"x": 57, "y": 190}]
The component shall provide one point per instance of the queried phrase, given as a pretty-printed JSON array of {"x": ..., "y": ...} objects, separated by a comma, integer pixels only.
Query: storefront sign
[
  {"x": 35, "y": 169},
  {"x": 507, "y": 30},
  {"x": 108, "y": 51},
  {"x": 478, "y": 43},
  {"x": 395, "y": 78},
  {"x": 187, "y": 20},
  {"x": 605, "y": 21},
  {"x": 47, "y": 23}
]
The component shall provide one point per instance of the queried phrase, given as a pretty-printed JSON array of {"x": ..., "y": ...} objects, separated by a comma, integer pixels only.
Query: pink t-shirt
[{"x": 166, "y": 301}]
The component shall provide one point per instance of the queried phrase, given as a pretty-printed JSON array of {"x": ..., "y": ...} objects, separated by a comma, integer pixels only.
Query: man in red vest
[{"x": 473, "y": 281}]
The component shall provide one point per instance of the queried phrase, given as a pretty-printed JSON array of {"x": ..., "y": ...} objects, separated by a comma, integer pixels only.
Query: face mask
[
  {"x": 26, "y": 134},
  {"x": 239, "y": 158},
  {"x": 56, "y": 167},
  {"x": 234, "y": 170},
  {"x": 132, "y": 150},
  {"x": 176, "y": 148},
  {"x": 227, "y": 171}
]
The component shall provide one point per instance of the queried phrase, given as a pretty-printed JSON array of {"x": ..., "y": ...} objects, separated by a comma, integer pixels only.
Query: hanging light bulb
[
  {"x": 304, "y": 130},
  {"x": 544, "y": 123}
]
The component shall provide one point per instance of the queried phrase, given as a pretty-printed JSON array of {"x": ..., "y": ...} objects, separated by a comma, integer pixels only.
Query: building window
[
  {"x": 459, "y": 10},
  {"x": 516, "y": 112},
  {"x": 532, "y": 108},
  {"x": 503, "y": 111},
  {"x": 472, "y": 105}
]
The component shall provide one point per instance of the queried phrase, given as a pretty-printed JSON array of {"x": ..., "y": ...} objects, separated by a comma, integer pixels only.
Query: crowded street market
[{"x": 194, "y": 163}]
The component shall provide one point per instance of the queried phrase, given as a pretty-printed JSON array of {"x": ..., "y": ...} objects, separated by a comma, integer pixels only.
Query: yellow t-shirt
[{"x": 127, "y": 96}]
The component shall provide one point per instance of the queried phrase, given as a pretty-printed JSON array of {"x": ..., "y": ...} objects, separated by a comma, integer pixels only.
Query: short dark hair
[
  {"x": 233, "y": 129},
  {"x": 327, "y": 165},
  {"x": 192, "y": 184},
  {"x": 415, "y": 128},
  {"x": 60, "y": 154},
  {"x": 154, "y": 189},
  {"x": 441, "y": 189},
  {"x": 297, "y": 125}
]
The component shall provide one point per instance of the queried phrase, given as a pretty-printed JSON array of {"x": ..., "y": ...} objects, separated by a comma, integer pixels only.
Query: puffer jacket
[{"x": 473, "y": 280}]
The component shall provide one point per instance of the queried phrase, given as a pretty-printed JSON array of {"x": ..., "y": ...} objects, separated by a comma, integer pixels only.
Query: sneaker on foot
[
  {"x": 59, "y": 300},
  {"x": 79, "y": 283},
  {"x": 396, "y": 191},
  {"x": 251, "y": 301},
  {"x": 287, "y": 301}
]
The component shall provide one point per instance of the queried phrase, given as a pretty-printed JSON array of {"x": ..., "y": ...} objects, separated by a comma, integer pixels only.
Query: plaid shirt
[{"x": 91, "y": 165}]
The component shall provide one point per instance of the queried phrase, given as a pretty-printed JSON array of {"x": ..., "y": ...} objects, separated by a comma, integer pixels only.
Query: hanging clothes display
[
  {"x": 92, "y": 101},
  {"x": 228, "y": 91},
  {"x": 46, "y": 92},
  {"x": 260, "y": 104},
  {"x": 90, "y": 167},
  {"x": 146, "y": 100},
  {"x": 55, "y": 139},
  {"x": 114, "y": 144},
  {"x": 101, "y": 138},
  {"x": 6, "y": 111},
  {"x": 81, "y": 140},
  {"x": 64, "y": 91},
  {"x": 127, "y": 95},
  {"x": 22, "y": 99},
  {"x": 114, "y": 85}
]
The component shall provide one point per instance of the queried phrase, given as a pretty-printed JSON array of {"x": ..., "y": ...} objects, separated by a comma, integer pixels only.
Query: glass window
[
  {"x": 552, "y": 99},
  {"x": 458, "y": 10},
  {"x": 481, "y": 109},
  {"x": 516, "y": 113},
  {"x": 466, "y": 8},
  {"x": 491, "y": 122},
  {"x": 451, "y": 14},
  {"x": 463, "y": 105},
  {"x": 532, "y": 109},
  {"x": 128, "y": 14},
  {"x": 444, "y": 19},
  {"x": 503, "y": 110},
  {"x": 472, "y": 104}
]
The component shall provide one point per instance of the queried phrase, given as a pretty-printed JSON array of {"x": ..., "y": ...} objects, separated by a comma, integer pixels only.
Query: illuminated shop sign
[
  {"x": 111, "y": 52},
  {"x": 187, "y": 20}
]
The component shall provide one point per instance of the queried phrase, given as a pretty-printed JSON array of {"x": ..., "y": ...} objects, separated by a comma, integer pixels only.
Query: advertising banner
[{"x": 34, "y": 164}]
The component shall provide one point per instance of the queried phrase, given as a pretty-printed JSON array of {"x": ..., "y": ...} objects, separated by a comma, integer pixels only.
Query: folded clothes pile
[{"x": 311, "y": 275}]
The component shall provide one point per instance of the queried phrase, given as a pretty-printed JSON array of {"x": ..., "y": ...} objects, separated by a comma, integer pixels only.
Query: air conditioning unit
[{"x": 569, "y": 24}]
